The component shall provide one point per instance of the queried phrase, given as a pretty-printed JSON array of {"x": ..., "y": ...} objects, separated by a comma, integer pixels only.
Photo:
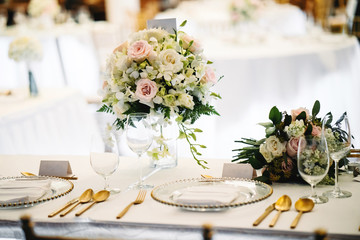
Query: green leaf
[
  {"x": 308, "y": 130},
  {"x": 209, "y": 62},
  {"x": 193, "y": 136},
  {"x": 316, "y": 108},
  {"x": 301, "y": 116},
  {"x": 255, "y": 163},
  {"x": 182, "y": 135},
  {"x": 287, "y": 120},
  {"x": 275, "y": 115},
  {"x": 215, "y": 95},
  {"x": 269, "y": 131},
  {"x": 202, "y": 146},
  {"x": 183, "y": 23},
  {"x": 263, "y": 179},
  {"x": 198, "y": 130},
  {"x": 266, "y": 124}
]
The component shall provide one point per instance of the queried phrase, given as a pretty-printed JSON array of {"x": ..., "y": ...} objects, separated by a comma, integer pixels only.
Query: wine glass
[
  {"x": 313, "y": 163},
  {"x": 139, "y": 138},
  {"x": 104, "y": 156},
  {"x": 339, "y": 148}
]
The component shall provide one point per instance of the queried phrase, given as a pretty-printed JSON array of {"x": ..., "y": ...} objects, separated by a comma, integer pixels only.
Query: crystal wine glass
[
  {"x": 313, "y": 163},
  {"x": 104, "y": 156},
  {"x": 139, "y": 138},
  {"x": 339, "y": 149}
]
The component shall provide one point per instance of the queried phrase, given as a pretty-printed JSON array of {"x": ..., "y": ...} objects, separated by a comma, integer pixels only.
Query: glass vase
[
  {"x": 163, "y": 151},
  {"x": 33, "y": 90}
]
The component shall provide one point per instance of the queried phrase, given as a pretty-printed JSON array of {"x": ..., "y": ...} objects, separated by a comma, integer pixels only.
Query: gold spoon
[
  {"x": 302, "y": 205},
  {"x": 84, "y": 198},
  {"x": 27, "y": 174},
  {"x": 282, "y": 204},
  {"x": 97, "y": 197}
]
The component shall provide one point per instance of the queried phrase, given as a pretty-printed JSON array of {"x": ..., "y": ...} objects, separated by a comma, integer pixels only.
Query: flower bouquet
[
  {"x": 244, "y": 10},
  {"x": 165, "y": 75},
  {"x": 276, "y": 154},
  {"x": 26, "y": 49}
]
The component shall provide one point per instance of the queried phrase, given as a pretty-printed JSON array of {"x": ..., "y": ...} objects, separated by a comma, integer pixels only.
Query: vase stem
[{"x": 32, "y": 85}]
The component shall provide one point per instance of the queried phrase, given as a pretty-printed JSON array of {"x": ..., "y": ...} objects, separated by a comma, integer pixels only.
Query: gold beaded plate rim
[
  {"x": 201, "y": 207},
  {"x": 50, "y": 195}
]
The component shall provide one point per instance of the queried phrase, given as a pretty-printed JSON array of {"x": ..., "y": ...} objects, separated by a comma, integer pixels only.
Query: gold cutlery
[
  {"x": 302, "y": 205},
  {"x": 268, "y": 210},
  {"x": 33, "y": 175},
  {"x": 139, "y": 199},
  {"x": 206, "y": 176},
  {"x": 84, "y": 198},
  {"x": 282, "y": 204},
  {"x": 97, "y": 198},
  {"x": 68, "y": 204}
]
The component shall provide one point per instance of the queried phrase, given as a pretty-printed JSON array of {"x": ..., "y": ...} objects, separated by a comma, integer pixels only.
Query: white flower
[
  {"x": 171, "y": 59},
  {"x": 186, "y": 100},
  {"x": 25, "y": 49},
  {"x": 296, "y": 129},
  {"x": 272, "y": 148}
]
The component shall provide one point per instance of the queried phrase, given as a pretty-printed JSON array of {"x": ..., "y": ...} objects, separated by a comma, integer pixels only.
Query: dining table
[{"x": 152, "y": 219}]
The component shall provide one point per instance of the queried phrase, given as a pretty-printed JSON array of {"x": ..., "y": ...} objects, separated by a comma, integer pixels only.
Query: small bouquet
[
  {"x": 276, "y": 154},
  {"x": 37, "y": 8},
  {"x": 165, "y": 75},
  {"x": 244, "y": 10},
  {"x": 25, "y": 49}
]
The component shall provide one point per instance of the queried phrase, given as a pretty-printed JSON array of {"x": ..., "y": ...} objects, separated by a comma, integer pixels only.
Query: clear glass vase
[
  {"x": 163, "y": 151},
  {"x": 33, "y": 90}
]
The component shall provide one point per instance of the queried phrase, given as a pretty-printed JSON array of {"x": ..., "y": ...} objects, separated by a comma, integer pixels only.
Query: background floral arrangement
[
  {"x": 165, "y": 75},
  {"x": 277, "y": 152},
  {"x": 37, "y": 8},
  {"x": 244, "y": 10},
  {"x": 25, "y": 49}
]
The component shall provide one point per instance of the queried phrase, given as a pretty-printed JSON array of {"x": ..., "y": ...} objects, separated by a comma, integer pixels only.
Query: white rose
[
  {"x": 266, "y": 154},
  {"x": 170, "y": 58},
  {"x": 186, "y": 100},
  {"x": 274, "y": 146}
]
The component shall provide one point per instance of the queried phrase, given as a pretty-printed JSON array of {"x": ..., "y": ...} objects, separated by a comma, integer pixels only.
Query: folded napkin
[
  {"x": 23, "y": 190},
  {"x": 205, "y": 195}
]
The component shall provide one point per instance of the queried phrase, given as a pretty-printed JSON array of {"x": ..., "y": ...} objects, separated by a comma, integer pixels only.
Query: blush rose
[
  {"x": 296, "y": 112},
  {"x": 292, "y": 146},
  {"x": 140, "y": 50},
  {"x": 209, "y": 76},
  {"x": 146, "y": 90}
]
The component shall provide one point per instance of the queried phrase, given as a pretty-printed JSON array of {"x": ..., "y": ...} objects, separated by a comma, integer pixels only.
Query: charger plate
[
  {"x": 58, "y": 188},
  {"x": 247, "y": 191}
]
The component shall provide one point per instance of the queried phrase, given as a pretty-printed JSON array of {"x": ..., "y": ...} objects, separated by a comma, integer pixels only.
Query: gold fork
[{"x": 139, "y": 199}]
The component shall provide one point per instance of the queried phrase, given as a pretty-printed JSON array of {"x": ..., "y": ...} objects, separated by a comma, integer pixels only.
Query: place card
[
  {"x": 236, "y": 170},
  {"x": 168, "y": 24},
  {"x": 56, "y": 168}
]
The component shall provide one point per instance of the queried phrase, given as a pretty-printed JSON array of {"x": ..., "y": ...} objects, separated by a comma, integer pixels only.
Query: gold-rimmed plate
[
  {"x": 58, "y": 188},
  {"x": 245, "y": 191}
]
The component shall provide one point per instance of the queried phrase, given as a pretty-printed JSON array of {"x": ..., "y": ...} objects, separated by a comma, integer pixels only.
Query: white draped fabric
[{"x": 56, "y": 122}]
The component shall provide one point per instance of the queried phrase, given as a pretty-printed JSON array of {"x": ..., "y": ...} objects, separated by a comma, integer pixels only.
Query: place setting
[{"x": 138, "y": 126}]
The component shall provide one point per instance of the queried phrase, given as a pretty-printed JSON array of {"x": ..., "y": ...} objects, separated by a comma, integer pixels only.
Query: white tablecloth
[
  {"x": 338, "y": 216},
  {"x": 58, "y": 121}
]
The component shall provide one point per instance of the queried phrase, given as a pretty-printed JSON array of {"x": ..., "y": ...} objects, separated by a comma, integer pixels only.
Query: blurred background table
[{"x": 58, "y": 121}]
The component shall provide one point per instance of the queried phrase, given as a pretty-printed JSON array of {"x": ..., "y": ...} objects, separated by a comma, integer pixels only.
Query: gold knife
[
  {"x": 268, "y": 210},
  {"x": 68, "y": 204}
]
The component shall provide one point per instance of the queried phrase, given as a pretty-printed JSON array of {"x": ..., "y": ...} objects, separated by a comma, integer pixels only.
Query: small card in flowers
[{"x": 168, "y": 24}]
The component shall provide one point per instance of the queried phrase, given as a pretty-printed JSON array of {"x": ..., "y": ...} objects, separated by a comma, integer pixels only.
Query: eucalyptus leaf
[{"x": 266, "y": 124}]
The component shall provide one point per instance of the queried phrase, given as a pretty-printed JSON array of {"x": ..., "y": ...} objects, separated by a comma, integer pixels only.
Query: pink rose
[
  {"x": 121, "y": 47},
  {"x": 296, "y": 112},
  {"x": 105, "y": 83},
  {"x": 209, "y": 76},
  {"x": 145, "y": 90},
  {"x": 140, "y": 50},
  {"x": 293, "y": 146},
  {"x": 195, "y": 46},
  {"x": 288, "y": 165},
  {"x": 316, "y": 130}
]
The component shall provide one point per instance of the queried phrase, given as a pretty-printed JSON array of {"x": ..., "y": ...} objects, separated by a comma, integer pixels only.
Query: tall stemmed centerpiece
[
  {"x": 28, "y": 50},
  {"x": 167, "y": 76}
]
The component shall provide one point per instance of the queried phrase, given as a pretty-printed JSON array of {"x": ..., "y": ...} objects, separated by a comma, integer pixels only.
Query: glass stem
[
  {"x": 106, "y": 185},
  {"x": 313, "y": 193},
  {"x": 336, "y": 189},
  {"x": 140, "y": 170}
]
